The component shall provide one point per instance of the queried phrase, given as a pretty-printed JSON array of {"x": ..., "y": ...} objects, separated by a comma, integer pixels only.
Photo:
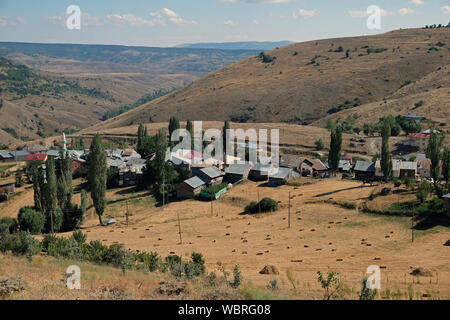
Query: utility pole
[
  {"x": 127, "y": 214},
  {"x": 179, "y": 228},
  {"x": 259, "y": 204},
  {"x": 289, "y": 222}
]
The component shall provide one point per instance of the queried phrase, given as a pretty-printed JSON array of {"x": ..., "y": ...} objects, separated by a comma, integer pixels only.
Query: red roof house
[{"x": 36, "y": 157}]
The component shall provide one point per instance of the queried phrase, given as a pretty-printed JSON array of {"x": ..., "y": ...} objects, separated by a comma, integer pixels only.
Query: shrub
[
  {"x": 95, "y": 251},
  {"x": 386, "y": 191},
  {"x": 73, "y": 217},
  {"x": 65, "y": 248},
  {"x": 22, "y": 243},
  {"x": 319, "y": 145},
  {"x": 11, "y": 223},
  {"x": 237, "y": 276},
  {"x": 58, "y": 218},
  {"x": 31, "y": 220},
  {"x": 266, "y": 205},
  {"x": 151, "y": 261},
  {"x": 366, "y": 293},
  {"x": 118, "y": 256}
]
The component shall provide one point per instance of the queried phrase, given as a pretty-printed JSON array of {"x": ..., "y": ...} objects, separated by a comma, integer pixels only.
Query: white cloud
[
  {"x": 129, "y": 19},
  {"x": 405, "y": 11},
  {"x": 364, "y": 14},
  {"x": 418, "y": 2},
  {"x": 86, "y": 19},
  {"x": 304, "y": 14},
  {"x": 231, "y": 23},
  {"x": 445, "y": 9},
  {"x": 6, "y": 21},
  {"x": 165, "y": 16}
]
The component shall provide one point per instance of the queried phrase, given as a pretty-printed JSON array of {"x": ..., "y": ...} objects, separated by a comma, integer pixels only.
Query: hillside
[
  {"x": 303, "y": 82},
  {"x": 243, "y": 45}
]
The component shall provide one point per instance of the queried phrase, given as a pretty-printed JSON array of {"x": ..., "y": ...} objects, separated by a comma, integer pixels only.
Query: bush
[
  {"x": 118, "y": 256},
  {"x": 319, "y": 145},
  {"x": 58, "y": 218},
  {"x": 266, "y": 205},
  {"x": 22, "y": 243},
  {"x": 65, "y": 248},
  {"x": 386, "y": 191},
  {"x": 72, "y": 219},
  {"x": 237, "y": 277},
  {"x": 11, "y": 223},
  {"x": 31, "y": 220},
  {"x": 151, "y": 261}
]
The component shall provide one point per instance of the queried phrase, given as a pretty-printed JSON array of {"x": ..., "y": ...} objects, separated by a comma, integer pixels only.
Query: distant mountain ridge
[{"x": 243, "y": 45}]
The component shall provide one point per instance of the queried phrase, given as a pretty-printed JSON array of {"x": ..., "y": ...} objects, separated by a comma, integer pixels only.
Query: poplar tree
[
  {"x": 97, "y": 169},
  {"x": 386, "y": 157},
  {"x": 434, "y": 154},
  {"x": 446, "y": 166},
  {"x": 335, "y": 149},
  {"x": 50, "y": 191}
]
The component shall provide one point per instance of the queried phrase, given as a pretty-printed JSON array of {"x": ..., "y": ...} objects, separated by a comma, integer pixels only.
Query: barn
[
  {"x": 365, "y": 170},
  {"x": 260, "y": 172},
  {"x": 281, "y": 175},
  {"x": 190, "y": 188},
  {"x": 237, "y": 172},
  {"x": 211, "y": 174}
]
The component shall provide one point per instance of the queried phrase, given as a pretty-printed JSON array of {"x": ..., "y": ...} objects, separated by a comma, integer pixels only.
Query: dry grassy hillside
[{"x": 307, "y": 79}]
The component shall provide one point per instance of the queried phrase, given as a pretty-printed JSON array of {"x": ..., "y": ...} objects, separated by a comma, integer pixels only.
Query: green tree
[
  {"x": 174, "y": 124},
  {"x": 140, "y": 136},
  {"x": 50, "y": 193},
  {"x": 331, "y": 284},
  {"x": 190, "y": 129},
  {"x": 366, "y": 293},
  {"x": 386, "y": 157},
  {"x": 97, "y": 169},
  {"x": 319, "y": 145},
  {"x": 335, "y": 149},
  {"x": 226, "y": 126},
  {"x": 446, "y": 165},
  {"x": 434, "y": 154}
]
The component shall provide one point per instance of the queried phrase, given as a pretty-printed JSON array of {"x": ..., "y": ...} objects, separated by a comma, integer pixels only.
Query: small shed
[
  {"x": 260, "y": 172},
  {"x": 319, "y": 168},
  {"x": 5, "y": 156},
  {"x": 237, "y": 172},
  {"x": 345, "y": 166},
  {"x": 190, "y": 188},
  {"x": 280, "y": 175},
  {"x": 447, "y": 203},
  {"x": 292, "y": 162},
  {"x": 365, "y": 170},
  {"x": 211, "y": 174}
]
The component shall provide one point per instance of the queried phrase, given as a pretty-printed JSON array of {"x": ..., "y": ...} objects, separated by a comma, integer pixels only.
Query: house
[
  {"x": 319, "y": 168},
  {"x": 345, "y": 165},
  {"x": 19, "y": 155},
  {"x": 36, "y": 157},
  {"x": 213, "y": 175},
  {"x": 237, "y": 172},
  {"x": 364, "y": 170},
  {"x": 279, "y": 176},
  {"x": 190, "y": 188},
  {"x": 52, "y": 153},
  {"x": 400, "y": 169},
  {"x": 260, "y": 172},
  {"x": 118, "y": 163},
  {"x": 418, "y": 140},
  {"x": 5, "y": 156},
  {"x": 292, "y": 162},
  {"x": 77, "y": 164},
  {"x": 75, "y": 154},
  {"x": 348, "y": 157},
  {"x": 414, "y": 118},
  {"x": 424, "y": 168},
  {"x": 306, "y": 168}
]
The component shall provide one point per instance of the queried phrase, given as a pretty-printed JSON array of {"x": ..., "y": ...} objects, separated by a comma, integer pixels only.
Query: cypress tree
[
  {"x": 50, "y": 191},
  {"x": 226, "y": 126},
  {"x": 446, "y": 165},
  {"x": 434, "y": 154},
  {"x": 97, "y": 169},
  {"x": 386, "y": 157},
  {"x": 335, "y": 149},
  {"x": 190, "y": 129}
]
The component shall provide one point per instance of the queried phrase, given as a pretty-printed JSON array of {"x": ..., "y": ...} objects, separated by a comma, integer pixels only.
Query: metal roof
[
  {"x": 195, "y": 182},
  {"x": 447, "y": 196},
  {"x": 238, "y": 168},
  {"x": 291, "y": 161},
  {"x": 5, "y": 154},
  {"x": 265, "y": 168},
  {"x": 212, "y": 172},
  {"x": 19, "y": 153},
  {"x": 281, "y": 173},
  {"x": 345, "y": 165},
  {"x": 366, "y": 166}
]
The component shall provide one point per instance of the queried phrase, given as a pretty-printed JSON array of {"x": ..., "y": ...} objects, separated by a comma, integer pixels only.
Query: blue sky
[{"x": 172, "y": 22}]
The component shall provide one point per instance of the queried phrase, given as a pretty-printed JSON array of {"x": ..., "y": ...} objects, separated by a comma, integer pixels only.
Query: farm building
[
  {"x": 424, "y": 168},
  {"x": 345, "y": 165},
  {"x": 6, "y": 191},
  {"x": 213, "y": 175},
  {"x": 36, "y": 157},
  {"x": 364, "y": 170},
  {"x": 400, "y": 169},
  {"x": 52, "y": 153},
  {"x": 5, "y": 156},
  {"x": 281, "y": 175},
  {"x": 348, "y": 157},
  {"x": 190, "y": 188},
  {"x": 418, "y": 140},
  {"x": 77, "y": 164},
  {"x": 447, "y": 203},
  {"x": 260, "y": 172},
  {"x": 319, "y": 168},
  {"x": 19, "y": 155},
  {"x": 292, "y": 162},
  {"x": 414, "y": 118},
  {"x": 237, "y": 172}
]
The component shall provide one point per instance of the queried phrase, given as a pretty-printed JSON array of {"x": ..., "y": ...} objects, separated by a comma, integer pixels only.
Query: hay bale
[
  {"x": 269, "y": 270},
  {"x": 422, "y": 272}
]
